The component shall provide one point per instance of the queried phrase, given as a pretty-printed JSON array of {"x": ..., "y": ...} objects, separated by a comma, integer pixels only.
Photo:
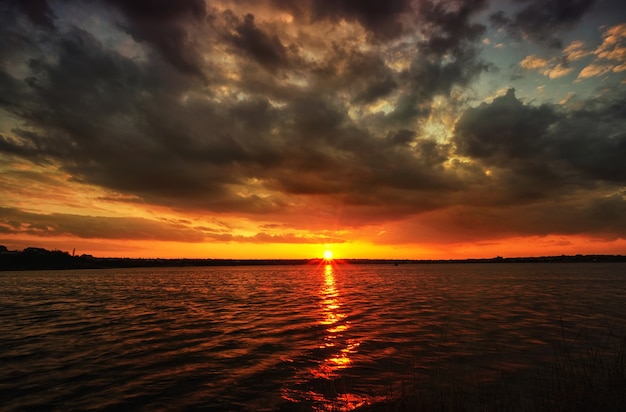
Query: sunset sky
[{"x": 277, "y": 128}]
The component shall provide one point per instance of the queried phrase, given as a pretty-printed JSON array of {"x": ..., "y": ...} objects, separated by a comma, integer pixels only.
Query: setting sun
[{"x": 328, "y": 254}]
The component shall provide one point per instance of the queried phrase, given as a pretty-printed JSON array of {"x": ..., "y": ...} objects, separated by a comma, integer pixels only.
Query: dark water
[{"x": 328, "y": 337}]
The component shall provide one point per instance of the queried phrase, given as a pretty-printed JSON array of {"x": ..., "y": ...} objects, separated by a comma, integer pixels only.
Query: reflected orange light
[
  {"x": 333, "y": 318},
  {"x": 338, "y": 347},
  {"x": 341, "y": 361},
  {"x": 337, "y": 329}
]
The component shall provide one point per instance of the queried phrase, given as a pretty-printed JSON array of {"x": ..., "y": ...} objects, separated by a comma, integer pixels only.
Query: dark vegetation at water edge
[
  {"x": 33, "y": 258},
  {"x": 41, "y": 259}
]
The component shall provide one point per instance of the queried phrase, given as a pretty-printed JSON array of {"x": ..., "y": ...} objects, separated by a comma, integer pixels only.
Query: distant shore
[{"x": 41, "y": 259}]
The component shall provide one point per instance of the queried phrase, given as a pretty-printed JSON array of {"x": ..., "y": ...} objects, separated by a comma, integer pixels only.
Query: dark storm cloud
[
  {"x": 504, "y": 130},
  {"x": 602, "y": 218},
  {"x": 37, "y": 11},
  {"x": 401, "y": 137},
  {"x": 382, "y": 18},
  {"x": 25, "y": 28},
  {"x": 543, "y": 151},
  {"x": 428, "y": 79},
  {"x": 330, "y": 154},
  {"x": 449, "y": 26},
  {"x": 164, "y": 24},
  {"x": 278, "y": 126},
  {"x": 265, "y": 49},
  {"x": 120, "y": 124},
  {"x": 542, "y": 20},
  {"x": 11, "y": 90},
  {"x": 364, "y": 75},
  {"x": 143, "y": 129},
  {"x": 448, "y": 56},
  {"x": 592, "y": 140}
]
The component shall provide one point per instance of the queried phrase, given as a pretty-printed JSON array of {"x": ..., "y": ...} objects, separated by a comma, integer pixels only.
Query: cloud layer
[{"x": 302, "y": 113}]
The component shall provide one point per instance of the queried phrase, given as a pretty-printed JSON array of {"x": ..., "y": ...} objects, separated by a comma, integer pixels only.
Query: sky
[{"x": 416, "y": 129}]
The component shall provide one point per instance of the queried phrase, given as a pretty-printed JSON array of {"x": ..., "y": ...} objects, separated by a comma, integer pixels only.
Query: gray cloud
[
  {"x": 164, "y": 24},
  {"x": 37, "y": 11},
  {"x": 541, "y": 151},
  {"x": 505, "y": 130},
  {"x": 252, "y": 41},
  {"x": 383, "y": 19},
  {"x": 449, "y": 27},
  {"x": 447, "y": 57},
  {"x": 542, "y": 21},
  {"x": 589, "y": 139},
  {"x": 600, "y": 217}
]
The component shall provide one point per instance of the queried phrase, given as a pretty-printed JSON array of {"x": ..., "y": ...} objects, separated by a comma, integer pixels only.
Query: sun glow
[{"x": 328, "y": 254}]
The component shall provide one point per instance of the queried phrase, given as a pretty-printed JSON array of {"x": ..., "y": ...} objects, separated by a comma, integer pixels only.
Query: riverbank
[{"x": 33, "y": 258}]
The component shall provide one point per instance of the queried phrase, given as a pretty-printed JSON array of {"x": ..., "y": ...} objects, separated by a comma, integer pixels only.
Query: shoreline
[{"x": 42, "y": 259}]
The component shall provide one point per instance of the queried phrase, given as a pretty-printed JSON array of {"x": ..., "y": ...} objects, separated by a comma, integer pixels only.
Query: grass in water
[{"x": 586, "y": 373}]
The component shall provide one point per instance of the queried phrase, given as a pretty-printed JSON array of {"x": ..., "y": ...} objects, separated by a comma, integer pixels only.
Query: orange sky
[{"x": 404, "y": 129}]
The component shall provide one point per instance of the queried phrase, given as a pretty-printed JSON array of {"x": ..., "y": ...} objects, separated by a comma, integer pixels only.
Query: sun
[{"x": 328, "y": 254}]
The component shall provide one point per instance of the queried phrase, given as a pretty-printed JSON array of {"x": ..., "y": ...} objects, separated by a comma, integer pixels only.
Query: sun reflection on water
[
  {"x": 324, "y": 389},
  {"x": 333, "y": 319}
]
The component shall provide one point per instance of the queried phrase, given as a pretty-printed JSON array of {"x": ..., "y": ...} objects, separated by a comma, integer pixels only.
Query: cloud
[
  {"x": 533, "y": 62},
  {"x": 448, "y": 57},
  {"x": 448, "y": 25},
  {"x": 38, "y": 12},
  {"x": 610, "y": 56},
  {"x": 118, "y": 123},
  {"x": 559, "y": 70},
  {"x": 541, "y": 21},
  {"x": 153, "y": 129},
  {"x": 553, "y": 68},
  {"x": 601, "y": 218},
  {"x": 503, "y": 130},
  {"x": 593, "y": 70},
  {"x": 165, "y": 25},
  {"x": 542, "y": 151},
  {"x": 576, "y": 51},
  {"x": 381, "y": 18},
  {"x": 14, "y": 221},
  {"x": 265, "y": 49},
  {"x": 239, "y": 111},
  {"x": 287, "y": 238},
  {"x": 613, "y": 45}
]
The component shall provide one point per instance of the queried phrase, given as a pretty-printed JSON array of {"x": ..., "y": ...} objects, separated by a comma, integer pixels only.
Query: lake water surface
[{"x": 317, "y": 337}]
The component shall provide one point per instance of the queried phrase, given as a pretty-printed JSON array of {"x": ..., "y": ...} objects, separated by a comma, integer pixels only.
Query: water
[{"x": 329, "y": 337}]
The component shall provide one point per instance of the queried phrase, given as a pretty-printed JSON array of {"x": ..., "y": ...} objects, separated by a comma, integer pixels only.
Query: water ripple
[{"x": 266, "y": 338}]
